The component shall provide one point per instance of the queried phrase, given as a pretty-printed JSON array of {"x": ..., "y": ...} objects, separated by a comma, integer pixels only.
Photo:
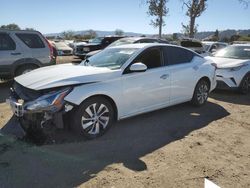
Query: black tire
[
  {"x": 89, "y": 128},
  {"x": 201, "y": 93},
  {"x": 245, "y": 84},
  {"x": 24, "y": 69}
]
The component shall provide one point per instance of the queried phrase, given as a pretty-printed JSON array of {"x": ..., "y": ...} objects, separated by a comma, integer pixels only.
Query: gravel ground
[{"x": 173, "y": 147}]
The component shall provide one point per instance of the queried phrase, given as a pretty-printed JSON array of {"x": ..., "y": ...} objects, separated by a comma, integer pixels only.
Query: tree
[
  {"x": 245, "y": 2},
  {"x": 175, "y": 36},
  {"x": 234, "y": 37},
  {"x": 68, "y": 35},
  {"x": 90, "y": 34},
  {"x": 216, "y": 35},
  {"x": 194, "y": 10},
  {"x": 157, "y": 9},
  {"x": 12, "y": 26},
  {"x": 29, "y": 29},
  {"x": 119, "y": 32}
]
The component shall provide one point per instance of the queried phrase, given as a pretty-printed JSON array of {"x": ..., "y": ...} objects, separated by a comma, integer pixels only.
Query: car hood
[
  {"x": 228, "y": 62},
  {"x": 64, "y": 75}
]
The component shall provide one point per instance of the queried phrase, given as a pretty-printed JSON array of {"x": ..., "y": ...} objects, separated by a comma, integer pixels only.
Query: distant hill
[
  {"x": 200, "y": 35},
  {"x": 99, "y": 33},
  {"x": 222, "y": 34}
]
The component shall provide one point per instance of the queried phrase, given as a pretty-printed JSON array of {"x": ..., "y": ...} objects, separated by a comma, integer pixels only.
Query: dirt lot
[{"x": 173, "y": 147}]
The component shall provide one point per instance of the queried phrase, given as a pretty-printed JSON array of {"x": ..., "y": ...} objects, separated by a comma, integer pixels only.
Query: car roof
[
  {"x": 18, "y": 31},
  {"x": 247, "y": 45},
  {"x": 212, "y": 42},
  {"x": 143, "y": 45},
  {"x": 138, "y": 38}
]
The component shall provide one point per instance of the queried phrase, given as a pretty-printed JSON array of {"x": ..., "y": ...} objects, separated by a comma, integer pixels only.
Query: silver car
[{"x": 23, "y": 51}]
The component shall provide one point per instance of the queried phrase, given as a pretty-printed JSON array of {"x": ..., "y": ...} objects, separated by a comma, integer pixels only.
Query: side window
[
  {"x": 6, "y": 42},
  {"x": 220, "y": 46},
  {"x": 31, "y": 40},
  {"x": 178, "y": 55},
  {"x": 150, "y": 57}
]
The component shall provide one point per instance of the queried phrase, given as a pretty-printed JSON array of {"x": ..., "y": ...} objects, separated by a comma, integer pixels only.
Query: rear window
[
  {"x": 31, "y": 40},
  {"x": 177, "y": 55},
  {"x": 191, "y": 44},
  {"x": 6, "y": 43}
]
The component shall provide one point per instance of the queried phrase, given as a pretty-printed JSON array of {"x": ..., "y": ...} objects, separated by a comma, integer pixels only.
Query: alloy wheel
[
  {"x": 202, "y": 93},
  {"x": 246, "y": 84},
  {"x": 95, "y": 118}
]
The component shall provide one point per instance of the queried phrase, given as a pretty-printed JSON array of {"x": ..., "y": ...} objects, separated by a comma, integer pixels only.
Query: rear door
[
  {"x": 183, "y": 71},
  {"x": 35, "y": 46},
  {"x": 9, "y": 50},
  {"x": 144, "y": 91}
]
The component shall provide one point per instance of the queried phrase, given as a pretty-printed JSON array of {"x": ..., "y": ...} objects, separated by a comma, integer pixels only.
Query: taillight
[
  {"x": 51, "y": 54},
  {"x": 50, "y": 48}
]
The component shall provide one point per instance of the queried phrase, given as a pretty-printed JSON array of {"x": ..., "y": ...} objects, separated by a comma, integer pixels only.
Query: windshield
[
  {"x": 122, "y": 42},
  {"x": 236, "y": 52},
  {"x": 96, "y": 40},
  {"x": 112, "y": 58}
]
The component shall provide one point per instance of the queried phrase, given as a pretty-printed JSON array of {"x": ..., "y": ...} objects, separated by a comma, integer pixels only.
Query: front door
[{"x": 149, "y": 90}]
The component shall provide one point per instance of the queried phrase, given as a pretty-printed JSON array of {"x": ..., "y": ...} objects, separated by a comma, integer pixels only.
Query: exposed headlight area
[
  {"x": 51, "y": 102},
  {"x": 39, "y": 111}
]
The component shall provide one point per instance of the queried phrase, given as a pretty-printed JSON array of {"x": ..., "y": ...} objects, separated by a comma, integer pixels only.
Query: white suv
[{"x": 23, "y": 51}]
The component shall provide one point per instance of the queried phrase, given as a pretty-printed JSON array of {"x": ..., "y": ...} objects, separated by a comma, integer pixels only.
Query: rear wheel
[
  {"x": 93, "y": 118},
  {"x": 245, "y": 84},
  {"x": 24, "y": 69},
  {"x": 201, "y": 93}
]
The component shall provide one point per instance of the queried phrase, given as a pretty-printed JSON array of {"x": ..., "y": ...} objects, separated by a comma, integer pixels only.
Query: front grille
[{"x": 66, "y": 51}]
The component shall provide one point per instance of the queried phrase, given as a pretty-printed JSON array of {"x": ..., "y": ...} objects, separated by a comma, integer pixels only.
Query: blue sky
[{"x": 49, "y": 16}]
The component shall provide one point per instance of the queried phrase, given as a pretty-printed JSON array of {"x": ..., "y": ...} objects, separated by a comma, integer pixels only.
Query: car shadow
[
  {"x": 230, "y": 96},
  {"x": 73, "y": 161},
  {"x": 5, "y": 90}
]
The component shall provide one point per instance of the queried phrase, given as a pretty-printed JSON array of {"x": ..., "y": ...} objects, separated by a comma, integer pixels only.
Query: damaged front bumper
[{"x": 43, "y": 114}]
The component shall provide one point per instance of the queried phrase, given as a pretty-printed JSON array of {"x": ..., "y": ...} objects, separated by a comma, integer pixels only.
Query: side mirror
[
  {"x": 138, "y": 67},
  {"x": 213, "y": 50}
]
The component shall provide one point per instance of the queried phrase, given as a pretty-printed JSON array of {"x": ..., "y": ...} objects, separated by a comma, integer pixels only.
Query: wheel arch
[
  {"x": 112, "y": 102},
  {"x": 23, "y": 62},
  {"x": 206, "y": 79}
]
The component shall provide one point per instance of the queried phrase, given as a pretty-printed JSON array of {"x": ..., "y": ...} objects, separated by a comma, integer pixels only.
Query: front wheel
[
  {"x": 93, "y": 118},
  {"x": 201, "y": 92},
  {"x": 245, "y": 84}
]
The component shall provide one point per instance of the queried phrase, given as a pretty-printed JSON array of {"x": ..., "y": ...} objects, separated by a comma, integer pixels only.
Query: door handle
[
  {"x": 164, "y": 76},
  {"x": 16, "y": 53}
]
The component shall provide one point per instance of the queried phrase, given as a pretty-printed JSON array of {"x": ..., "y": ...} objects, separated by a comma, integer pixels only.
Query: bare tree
[
  {"x": 68, "y": 35},
  {"x": 119, "y": 32},
  {"x": 194, "y": 10},
  {"x": 158, "y": 9},
  {"x": 91, "y": 33}
]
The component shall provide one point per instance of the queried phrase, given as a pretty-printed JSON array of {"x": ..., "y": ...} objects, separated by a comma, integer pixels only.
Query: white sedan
[
  {"x": 233, "y": 64},
  {"x": 117, "y": 83}
]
